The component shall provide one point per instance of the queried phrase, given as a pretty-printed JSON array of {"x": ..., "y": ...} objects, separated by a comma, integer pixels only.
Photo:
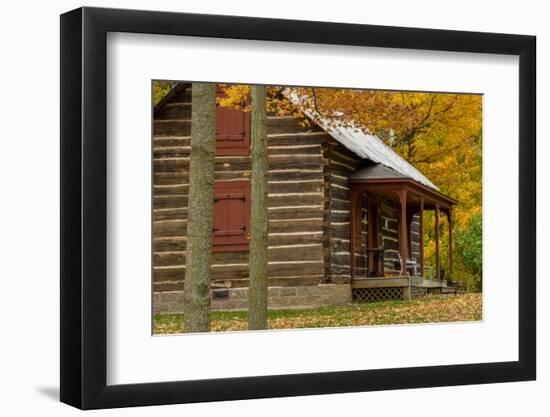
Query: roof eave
[{"x": 405, "y": 183}]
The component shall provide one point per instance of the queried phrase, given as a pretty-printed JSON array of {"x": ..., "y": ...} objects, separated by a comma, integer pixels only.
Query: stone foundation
[{"x": 232, "y": 299}]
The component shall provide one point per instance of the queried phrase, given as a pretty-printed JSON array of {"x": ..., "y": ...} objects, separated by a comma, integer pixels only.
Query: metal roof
[
  {"x": 366, "y": 146},
  {"x": 372, "y": 148},
  {"x": 377, "y": 172}
]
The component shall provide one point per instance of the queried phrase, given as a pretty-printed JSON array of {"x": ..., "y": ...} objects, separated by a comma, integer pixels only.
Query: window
[
  {"x": 232, "y": 130},
  {"x": 231, "y": 216}
]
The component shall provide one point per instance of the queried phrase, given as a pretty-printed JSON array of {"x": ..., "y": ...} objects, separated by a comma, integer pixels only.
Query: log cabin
[{"x": 345, "y": 213}]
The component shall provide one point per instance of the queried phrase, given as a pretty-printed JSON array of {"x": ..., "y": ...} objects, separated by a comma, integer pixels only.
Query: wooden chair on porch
[{"x": 412, "y": 266}]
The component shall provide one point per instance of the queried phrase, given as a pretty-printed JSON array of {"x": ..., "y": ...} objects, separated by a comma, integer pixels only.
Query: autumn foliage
[{"x": 440, "y": 134}]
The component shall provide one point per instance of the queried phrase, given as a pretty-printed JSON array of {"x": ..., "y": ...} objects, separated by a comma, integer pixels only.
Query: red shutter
[
  {"x": 232, "y": 130},
  {"x": 231, "y": 216}
]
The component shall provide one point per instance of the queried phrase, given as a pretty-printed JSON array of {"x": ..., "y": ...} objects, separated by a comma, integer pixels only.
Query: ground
[{"x": 429, "y": 309}]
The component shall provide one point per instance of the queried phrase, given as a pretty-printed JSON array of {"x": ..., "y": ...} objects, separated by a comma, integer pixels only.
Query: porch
[
  {"x": 398, "y": 288},
  {"x": 412, "y": 198}
]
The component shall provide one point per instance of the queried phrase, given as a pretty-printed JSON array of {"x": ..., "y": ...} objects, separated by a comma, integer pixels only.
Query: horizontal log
[
  {"x": 274, "y": 200},
  {"x": 171, "y": 141},
  {"x": 296, "y": 226},
  {"x": 182, "y": 94},
  {"x": 170, "y": 178},
  {"x": 340, "y": 231},
  {"x": 288, "y": 125},
  {"x": 302, "y": 138},
  {"x": 290, "y": 240},
  {"x": 390, "y": 234},
  {"x": 171, "y": 189},
  {"x": 170, "y": 201},
  {"x": 339, "y": 216},
  {"x": 297, "y": 173},
  {"x": 390, "y": 244},
  {"x": 218, "y": 258},
  {"x": 342, "y": 168},
  {"x": 163, "y": 150},
  {"x": 339, "y": 204},
  {"x": 349, "y": 158},
  {"x": 337, "y": 245},
  {"x": 339, "y": 152},
  {"x": 176, "y": 120},
  {"x": 178, "y": 243},
  {"x": 160, "y": 152},
  {"x": 338, "y": 180},
  {"x": 182, "y": 177},
  {"x": 294, "y": 160},
  {"x": 176, "y": 227},
  {"x": 175, "y": 110},
  {"x": 297, "y": 186},
  {"x": 340, "y": 259},
  {"x": 169, "y": 244},
  {"x": 179, "y": 213},
  {"x": 340, "y": 269},
  {"x": 172, "y": 127},
  {"x": 165, "y": 228},
  {"x": 339, "y": 193},
  {"x": 314, "y": 149},
  {"x": 301, "y": 162},
  {"x": 295, "y": 199},
  {"x": 295, "y": 212},
  {"x": 228, "y": 272},
  {"x": 275, "y": 254}
]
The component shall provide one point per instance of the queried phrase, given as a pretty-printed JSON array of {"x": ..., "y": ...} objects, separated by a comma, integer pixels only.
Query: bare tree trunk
[
  {"x": 201, "y": 206},
  {"x": 257, "y": 295}
]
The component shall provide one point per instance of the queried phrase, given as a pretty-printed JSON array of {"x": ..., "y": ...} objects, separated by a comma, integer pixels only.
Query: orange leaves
[
  {"x": 429, "y": 309},
  {"x": 440, "y": 134}
]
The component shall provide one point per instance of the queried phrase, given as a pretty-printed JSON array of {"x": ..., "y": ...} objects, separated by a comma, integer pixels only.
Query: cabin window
[
  {"x": 232, "y": 130},
  {"x": 231, "y": 216}
]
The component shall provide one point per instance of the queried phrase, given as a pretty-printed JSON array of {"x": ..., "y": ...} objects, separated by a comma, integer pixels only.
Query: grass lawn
[{"x": 429, "y": 309}]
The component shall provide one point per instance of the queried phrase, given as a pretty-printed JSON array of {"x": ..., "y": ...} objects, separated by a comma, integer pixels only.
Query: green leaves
[{"x": 469, "y": 242}]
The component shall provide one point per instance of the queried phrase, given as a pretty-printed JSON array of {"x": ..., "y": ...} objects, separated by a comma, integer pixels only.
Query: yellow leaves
[
  {"x": 236, "y": 96},
  {"x": 440, "y": 134},
  {"x": 160, "y": 89}
]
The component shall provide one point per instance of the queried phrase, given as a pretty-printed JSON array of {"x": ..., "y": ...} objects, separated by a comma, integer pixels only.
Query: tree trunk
[
  {"x": 257, "y": 295},
  {"x": 201, "y": 207}
]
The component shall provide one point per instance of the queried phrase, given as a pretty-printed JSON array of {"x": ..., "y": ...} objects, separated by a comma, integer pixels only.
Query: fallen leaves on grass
[{"x": 429, "y": 309}]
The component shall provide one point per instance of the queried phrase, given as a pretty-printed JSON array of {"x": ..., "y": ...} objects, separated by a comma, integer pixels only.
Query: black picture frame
[{"x": 84, "y": 207}]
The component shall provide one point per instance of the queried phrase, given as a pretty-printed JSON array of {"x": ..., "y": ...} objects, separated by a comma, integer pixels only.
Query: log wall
[
  {"x": 309, "y": 218},
  {"x": 296, "y": 190}
]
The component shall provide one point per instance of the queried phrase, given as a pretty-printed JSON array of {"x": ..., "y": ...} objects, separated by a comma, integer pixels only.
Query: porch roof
[
  {"x": 376, "y": 171},
  {"x": 380, "y": 178}
]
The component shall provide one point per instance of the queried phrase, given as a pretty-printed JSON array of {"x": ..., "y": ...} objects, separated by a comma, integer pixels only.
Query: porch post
[
  {"x": 403, "y": 236},
  {"x": 437, "y": 261},
  {"x": 450, "y": 218},
  {"x": 421, "y": 239},
  {"x": 353, "y": 229}
]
